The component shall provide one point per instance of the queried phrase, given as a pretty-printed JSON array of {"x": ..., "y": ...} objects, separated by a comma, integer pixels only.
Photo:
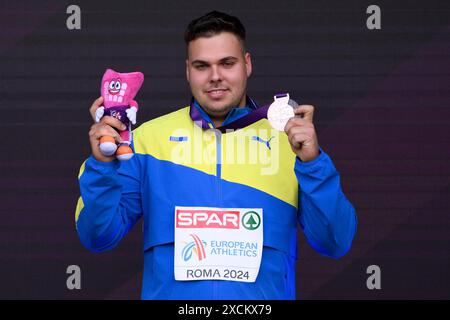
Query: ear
[
  {"x": 248, "y": 63},
  {"x": 137, "y": 78},
  {"x": 187, "y": 70}
]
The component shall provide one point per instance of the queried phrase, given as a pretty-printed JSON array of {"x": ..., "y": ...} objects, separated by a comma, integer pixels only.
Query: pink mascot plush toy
[{"x": 118, "y": 91}]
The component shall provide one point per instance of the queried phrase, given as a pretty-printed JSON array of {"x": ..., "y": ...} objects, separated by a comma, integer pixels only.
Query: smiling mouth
[
  {"x": 216, "y": 94},
  {"x": 216, "y": 90}
]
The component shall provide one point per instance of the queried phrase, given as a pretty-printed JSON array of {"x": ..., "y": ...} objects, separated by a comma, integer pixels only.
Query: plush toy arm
[
  {"x": 99, "y": 113},
  {"x": 131, "y": 114},
  {"x": 133, "y": 103}
]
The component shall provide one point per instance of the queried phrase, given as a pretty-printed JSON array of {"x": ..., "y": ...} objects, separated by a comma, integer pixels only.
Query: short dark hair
[{"x": 212, "y": 24}]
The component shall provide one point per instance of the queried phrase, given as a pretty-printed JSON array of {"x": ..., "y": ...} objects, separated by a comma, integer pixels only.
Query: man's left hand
[{"x": 302, "y": 134}]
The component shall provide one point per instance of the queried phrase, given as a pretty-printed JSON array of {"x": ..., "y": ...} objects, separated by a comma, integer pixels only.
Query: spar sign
[
  {"x": 207, "y": 219},
  {"x": 222, "y": 219},
  {"x": 218, "y": 243}
]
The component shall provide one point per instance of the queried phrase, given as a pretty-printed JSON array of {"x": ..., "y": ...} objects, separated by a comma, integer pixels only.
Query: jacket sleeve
[
  {"x": 327, "y": 218},
  {"x": 110, "y": 202}
]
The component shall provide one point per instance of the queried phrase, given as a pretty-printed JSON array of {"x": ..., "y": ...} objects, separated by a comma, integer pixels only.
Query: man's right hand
[{"x": 103, "y": 128}]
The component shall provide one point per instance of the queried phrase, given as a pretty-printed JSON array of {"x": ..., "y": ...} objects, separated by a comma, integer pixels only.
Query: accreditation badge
[
  {"x": 218, "y": 243},
  {"x": 280, "y": 111}
]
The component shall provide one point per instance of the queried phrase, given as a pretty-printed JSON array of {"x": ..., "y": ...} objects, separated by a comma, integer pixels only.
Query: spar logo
[
  {"x": 196, "y": 247},
  {"x": 251, "y": 220},
  {"x": 207, "y": 218}
]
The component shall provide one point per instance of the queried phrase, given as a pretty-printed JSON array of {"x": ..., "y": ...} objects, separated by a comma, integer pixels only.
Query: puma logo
[{"x": 266, "y": 142}]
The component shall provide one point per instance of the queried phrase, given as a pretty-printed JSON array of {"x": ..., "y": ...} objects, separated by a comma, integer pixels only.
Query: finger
[
  {"x": 305, "y": 111},
  {"x": 298, "y": 139},
  {"x": 301, "y": 131},
  {"x": 295, "y": 122},
  {"x": 95, "y": 105},
  {"x": 113, "y": 122},
  {"x": 100, "y": 130}
]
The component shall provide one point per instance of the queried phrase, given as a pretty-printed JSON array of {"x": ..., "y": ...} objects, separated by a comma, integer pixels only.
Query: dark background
[{"x": 382, "y": 113}]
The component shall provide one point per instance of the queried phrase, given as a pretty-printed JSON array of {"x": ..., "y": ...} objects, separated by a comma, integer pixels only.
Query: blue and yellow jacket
[{"x": 180, "y": 163}]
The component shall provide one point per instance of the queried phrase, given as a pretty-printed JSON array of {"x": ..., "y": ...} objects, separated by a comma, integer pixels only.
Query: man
[{"x": 218, "y": 224}]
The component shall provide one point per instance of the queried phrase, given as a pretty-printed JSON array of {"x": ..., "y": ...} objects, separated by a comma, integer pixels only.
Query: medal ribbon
[{"x": 256, "y": 115}]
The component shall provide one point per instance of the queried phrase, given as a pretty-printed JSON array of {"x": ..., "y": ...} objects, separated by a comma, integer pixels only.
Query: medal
[{"x": 281, "y": 110}]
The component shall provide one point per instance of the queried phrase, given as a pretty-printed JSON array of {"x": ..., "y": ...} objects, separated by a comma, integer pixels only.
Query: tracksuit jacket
[{"x": 181, "y": 160}]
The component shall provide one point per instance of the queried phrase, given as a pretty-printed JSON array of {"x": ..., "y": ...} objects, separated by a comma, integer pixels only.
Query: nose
[{"x": 215, "y": 74}]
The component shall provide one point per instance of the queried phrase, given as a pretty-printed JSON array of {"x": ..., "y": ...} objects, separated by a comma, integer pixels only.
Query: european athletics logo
[{"x": 197, "y": 246}]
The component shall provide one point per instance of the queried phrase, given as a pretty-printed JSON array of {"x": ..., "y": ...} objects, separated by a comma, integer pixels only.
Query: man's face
[{"x": 217, "y": 70}]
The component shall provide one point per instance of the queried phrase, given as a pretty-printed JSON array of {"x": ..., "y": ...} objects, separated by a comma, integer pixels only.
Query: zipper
[
  {"x": 219, "y": 166},
  {"x": 218, "y": 153},
  {"x": 218, "y": 135}
]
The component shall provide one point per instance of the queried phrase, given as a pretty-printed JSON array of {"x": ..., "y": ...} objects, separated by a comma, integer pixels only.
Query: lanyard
[{"x": 254, "y": 116}]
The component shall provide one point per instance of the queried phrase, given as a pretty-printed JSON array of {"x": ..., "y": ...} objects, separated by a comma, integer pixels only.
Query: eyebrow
[{"x": 230, "y": 58}]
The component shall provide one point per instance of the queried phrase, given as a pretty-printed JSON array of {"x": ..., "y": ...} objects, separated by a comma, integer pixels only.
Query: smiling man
[
  {"x": 215, "y": 228},
  {"x": 217, "y": 69}
]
